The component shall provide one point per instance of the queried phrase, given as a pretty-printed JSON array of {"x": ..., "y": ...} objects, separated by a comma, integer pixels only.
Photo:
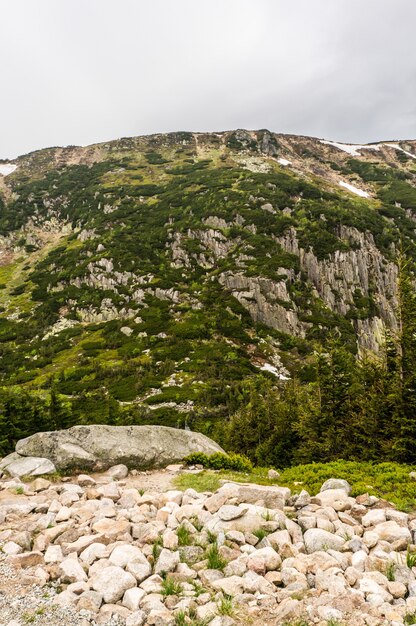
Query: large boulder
[{"x": 98, "y": 447}]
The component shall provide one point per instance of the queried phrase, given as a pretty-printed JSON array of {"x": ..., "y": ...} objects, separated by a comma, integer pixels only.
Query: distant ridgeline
[{"x": 253, "y": 286}]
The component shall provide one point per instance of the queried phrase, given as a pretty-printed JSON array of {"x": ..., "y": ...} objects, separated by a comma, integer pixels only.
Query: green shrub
[{"x": 219, "y": 460}]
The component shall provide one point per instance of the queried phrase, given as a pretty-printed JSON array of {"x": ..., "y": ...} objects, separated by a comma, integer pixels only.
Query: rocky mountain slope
[{"x": 157, "y": 272}]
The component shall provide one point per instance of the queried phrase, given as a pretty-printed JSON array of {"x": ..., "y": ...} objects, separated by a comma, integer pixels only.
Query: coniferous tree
[
  {"x": 326, "y": 429},
  {"x": 404, "y": 443}
]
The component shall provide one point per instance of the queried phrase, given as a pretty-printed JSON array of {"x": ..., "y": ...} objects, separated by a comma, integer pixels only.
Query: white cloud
[{"x": 77, "y": 71}]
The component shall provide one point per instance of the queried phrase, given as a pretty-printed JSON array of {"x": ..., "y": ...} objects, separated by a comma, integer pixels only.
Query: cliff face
[{"x": 159, "y": 266}]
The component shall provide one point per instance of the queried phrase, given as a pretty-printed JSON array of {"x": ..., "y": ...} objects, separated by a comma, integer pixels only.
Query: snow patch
[
  {"x": 284, "y": 161},
  {"x": 359, "y": 192},
  {"x": 7, "y": 168},
  {"x": 266, "y": 367},
  {"x": 351, "y": 149},
  {"x": 397, "y": 147}
]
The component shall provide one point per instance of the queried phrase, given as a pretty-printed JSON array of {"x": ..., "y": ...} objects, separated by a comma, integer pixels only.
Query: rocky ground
[{"x": 129, "y": 549}]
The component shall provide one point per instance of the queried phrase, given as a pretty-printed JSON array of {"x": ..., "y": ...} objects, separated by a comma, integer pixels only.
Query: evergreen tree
[
  {"x": 404, "y": 445},
  {"x": 326, "y": 430}
]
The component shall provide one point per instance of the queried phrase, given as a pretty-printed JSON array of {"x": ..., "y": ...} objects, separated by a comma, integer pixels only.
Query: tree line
[{"x": 355, "y": 408}]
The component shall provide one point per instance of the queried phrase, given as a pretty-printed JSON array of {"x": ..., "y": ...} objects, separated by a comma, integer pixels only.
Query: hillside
[{"x": 157, "y": 277}]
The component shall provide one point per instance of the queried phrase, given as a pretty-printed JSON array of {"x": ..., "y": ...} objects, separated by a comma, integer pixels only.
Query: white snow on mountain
[
  {"x": 397, "y": 147},
  {"x": 352, "y": 149},
  {"x": 7, "y": 168},
  {"x": 359, "y": 192}
]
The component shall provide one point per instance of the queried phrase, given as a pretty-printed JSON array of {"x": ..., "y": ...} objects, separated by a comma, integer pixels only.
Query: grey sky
[{"x": 82, "y": 71}]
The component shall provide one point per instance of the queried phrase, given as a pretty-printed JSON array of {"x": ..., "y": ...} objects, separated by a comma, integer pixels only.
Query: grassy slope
[{"x": 385, "y": 480}]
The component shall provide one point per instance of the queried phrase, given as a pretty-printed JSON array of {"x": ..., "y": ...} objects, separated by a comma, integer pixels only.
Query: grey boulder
[
  {"x": 336, "y": 483},
  {"x": 17, "y": 465},
  {"x": 99, "y": 447}
]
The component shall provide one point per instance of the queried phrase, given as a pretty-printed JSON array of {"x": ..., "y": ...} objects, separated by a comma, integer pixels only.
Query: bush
[{"x": 219, "y": 460}]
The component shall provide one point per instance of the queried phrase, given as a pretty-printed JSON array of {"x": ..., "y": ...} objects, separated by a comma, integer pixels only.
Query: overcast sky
[{"x": 82, "y": 71}]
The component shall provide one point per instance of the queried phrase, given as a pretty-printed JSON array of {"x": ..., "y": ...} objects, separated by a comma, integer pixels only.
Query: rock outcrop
[{"x": 100, "y": 446}]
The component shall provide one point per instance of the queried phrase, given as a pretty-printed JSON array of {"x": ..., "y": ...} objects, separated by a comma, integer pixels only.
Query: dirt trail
[{"x": 152, "y": 480}]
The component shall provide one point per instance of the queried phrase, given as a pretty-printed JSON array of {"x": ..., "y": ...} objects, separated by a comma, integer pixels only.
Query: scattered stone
[
  {"x": 112, "y": 552},
  {"x": 273, "y": 474},
  {"x": 22, "y": 465},
  {"x": 118, "y": 472},
  {"x": 112, "y": 582},
  {"x": 336, "y": 483}
]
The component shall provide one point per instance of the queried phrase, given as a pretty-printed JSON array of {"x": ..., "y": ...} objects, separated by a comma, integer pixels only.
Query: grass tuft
[
  {"x": 171, "y": 587},
  {"x": 215, "y": 560}
]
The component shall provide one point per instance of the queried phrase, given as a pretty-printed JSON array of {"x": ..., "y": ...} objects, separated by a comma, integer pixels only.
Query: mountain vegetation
[{"x": 226, "y": 282}]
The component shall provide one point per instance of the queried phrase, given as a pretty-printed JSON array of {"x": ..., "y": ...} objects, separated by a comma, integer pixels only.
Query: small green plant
[
  {"x": 268, "y": 515},
  {"x": 157, "y": 548},
  {"x": 260, "y": 533},
  {"x": 171, "y": 587},
  {"x": 180, "y": 618},
  {"x": 225, "y": 606},
  {"x": 195, "y": 621},
  {"x": 214, "y": 558},
  {"x": 196, "y": 523},
  {"x": 409, "y": 618},
  {"x": 19, "y": 491},
  {"x": 184, "y": 536},
  {"x": 410, "y": 558},
  {"x": 390, "y": 571},
  {"x": 198, "y": 588},
  {"x": 141, "y": 491},
  {"x": 212, "y": 537}
]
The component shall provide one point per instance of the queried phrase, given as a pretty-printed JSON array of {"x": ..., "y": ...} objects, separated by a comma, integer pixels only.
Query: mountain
[{"x": 159, "y": 273}]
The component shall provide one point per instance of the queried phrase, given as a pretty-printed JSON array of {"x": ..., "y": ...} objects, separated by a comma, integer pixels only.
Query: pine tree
[
  {"x": 326, "y": 428},
  {"x": 404, "y": 445}
]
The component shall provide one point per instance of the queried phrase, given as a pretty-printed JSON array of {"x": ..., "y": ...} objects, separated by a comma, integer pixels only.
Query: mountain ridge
[{"x": 161, "y": 272}]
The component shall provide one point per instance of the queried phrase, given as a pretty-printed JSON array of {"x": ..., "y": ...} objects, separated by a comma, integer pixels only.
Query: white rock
[
  {"x": 167, "y": 561},
  {"x": 132, "y": 598},
  {"x": 335, "y": 498},
  {"x": 137, "y": 618},
  {"x": 229, "y": 512},
  {"x": 358, "y": 560},
  {"x": 317, "y": 539},
  {"x": 70, "y": 571},
  {"x": 232, "y": 585},
  {"x": 391, "y": 531},
  {"x": 54, "y": 554},
  {"x": 10, "y": 547},
  {"x": 271, "y": 558},
  {"x": 92, "y": 553},
  {"x": 118, "y": 472},
  {"x": 336, "y": 483},
  {"x": 170, "y": 540},
  {"x": 373, "y": 517},
  {"x": 123, "y": 554},
  {"x": 139, "y": 568},
  {"x": 112, "y": 582},
  {"x": 152, "y": 584}
]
